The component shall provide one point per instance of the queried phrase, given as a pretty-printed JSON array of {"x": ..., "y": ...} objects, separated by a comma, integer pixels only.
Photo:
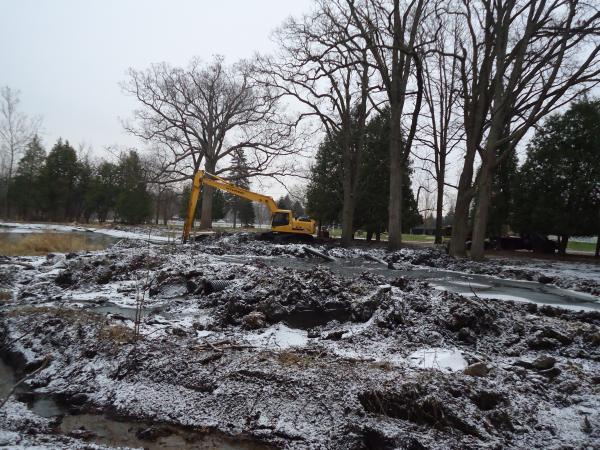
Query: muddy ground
[{"x": 298, "y": 358}]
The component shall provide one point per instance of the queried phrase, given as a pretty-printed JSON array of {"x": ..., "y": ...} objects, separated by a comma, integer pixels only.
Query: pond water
[{"x": 483, "y": 286}]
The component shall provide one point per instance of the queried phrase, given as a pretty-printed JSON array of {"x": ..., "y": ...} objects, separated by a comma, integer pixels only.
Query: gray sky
[{"x": 67, "y": 57}]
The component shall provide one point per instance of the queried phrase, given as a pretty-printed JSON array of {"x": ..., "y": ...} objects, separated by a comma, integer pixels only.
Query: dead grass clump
[
  {"x": 119, "y": 334},
  {"x": 288, "y": 358},
  {"x": 39, "y": 244},
  {"x": 5, "y": 295},
  {"x": 29, "y": 310}
]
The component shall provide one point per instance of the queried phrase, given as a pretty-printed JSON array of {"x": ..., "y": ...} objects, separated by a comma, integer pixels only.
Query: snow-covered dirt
[{"x": 302, "y": 357}]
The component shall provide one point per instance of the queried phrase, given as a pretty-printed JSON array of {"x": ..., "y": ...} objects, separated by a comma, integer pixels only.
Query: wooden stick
[
  {"x": 319, "y": 254},
  {"x": 372, "y": 258}
]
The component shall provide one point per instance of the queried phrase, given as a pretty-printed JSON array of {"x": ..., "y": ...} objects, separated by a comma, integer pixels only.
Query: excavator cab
[
  {"x": 284, "y": 222},
  {"x": 281, "y": 218}
]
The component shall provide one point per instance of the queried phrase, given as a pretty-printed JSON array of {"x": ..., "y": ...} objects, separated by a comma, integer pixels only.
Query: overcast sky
[{"x": 67, "y": 57}]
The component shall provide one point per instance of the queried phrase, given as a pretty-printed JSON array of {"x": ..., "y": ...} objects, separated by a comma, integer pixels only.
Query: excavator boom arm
[{"x": 219, "y": 183}]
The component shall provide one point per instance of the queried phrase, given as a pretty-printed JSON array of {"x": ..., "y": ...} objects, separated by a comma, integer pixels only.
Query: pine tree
[
  {"x": 26, "y": 193},
  {"x": 102, "y": 196},
  {"x": 557, "y": 190},
  {"x": 284, "y": 202},
  {"x": 372, "y": 211},
  {"x": 240, "y": 177},
  {"x": 297, "y": 209},
  {"x": 59, "y": 181},
  {"x": 324, "y": 194},
  {"x": 134, "y": 203},
  {"x": 247, "y": 215}
]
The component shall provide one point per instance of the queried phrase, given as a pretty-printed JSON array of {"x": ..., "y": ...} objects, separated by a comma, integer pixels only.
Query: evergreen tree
[
  {"x": 297, "y": 209},
  {"x": 59, "y": 179},
  {"x": 134, "y": 203},
  {"x": 83, "y": 190},
  {"x": 247, "y": 215},
  {"x": 285, "y": 202},
  {"x": 502, "y": 194},
  {"x": 240, "y": 177},
  {"x": 26, "y": 193},
  {"x": 557, "y": 190},
  {"x": 324, "y": 194},
  {"x": 372, "y": 211},
  {"x": 102, "y": 197}
]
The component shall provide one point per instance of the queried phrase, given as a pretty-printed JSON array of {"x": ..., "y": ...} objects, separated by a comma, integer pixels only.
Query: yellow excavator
[{"x": 284, "y": 226}]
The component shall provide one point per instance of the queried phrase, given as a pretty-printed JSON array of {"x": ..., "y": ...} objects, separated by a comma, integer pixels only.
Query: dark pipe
[{"x": 215, "y": 286}]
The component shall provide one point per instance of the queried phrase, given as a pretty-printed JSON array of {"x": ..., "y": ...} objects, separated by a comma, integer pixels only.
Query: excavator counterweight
[{"x": 283, "y": 224}]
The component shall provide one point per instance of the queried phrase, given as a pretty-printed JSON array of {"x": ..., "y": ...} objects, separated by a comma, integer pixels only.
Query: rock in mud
[
  {"x": 477, "y": 370},
  {"x": 272, "y": 310},
  {"x": 544, "y": 362},
  {"x": 551, "y": 373},
  {"x": 545, "y": 280},
  {"x": 539, "y": 341},
  {"x": 65, "y": 279},
  {"x": 104, "y": 275},
  {"x": 255, "y": 320}
]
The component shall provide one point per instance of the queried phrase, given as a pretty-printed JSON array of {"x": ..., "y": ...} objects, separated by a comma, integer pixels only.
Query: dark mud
[{"x": 305, "y": 358}]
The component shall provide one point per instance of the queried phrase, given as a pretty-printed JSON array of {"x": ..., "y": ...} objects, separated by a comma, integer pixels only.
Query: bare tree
[
  {"x": 519, "y": 60},
  {"x": 16, "y": 130},
  {"x": 393, "y": 35},
  {"x": 442, "y": 131},
  {"x": 203, "y": 113},
  {"x": 322, "y": 63}
]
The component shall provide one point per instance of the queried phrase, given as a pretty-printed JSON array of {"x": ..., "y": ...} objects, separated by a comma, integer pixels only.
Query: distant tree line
[{"x": 64, "y": 186}]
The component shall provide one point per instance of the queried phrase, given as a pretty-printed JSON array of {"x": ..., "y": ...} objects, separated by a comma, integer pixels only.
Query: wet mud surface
[{"x": 296, "y": 353}]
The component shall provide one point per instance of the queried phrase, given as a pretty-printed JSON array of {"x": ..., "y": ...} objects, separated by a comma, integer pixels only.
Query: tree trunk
[
  {"x": 158, "y": 207},
  {"x": 482, "y": 211},
  {"x": 460, "y": 224},
  {"x": 378, "y": 235},
  {"x": 369, "y": 235},
  {"x": 562, "y": 245},
  {"x": 234, "y": 217},
  {"x": 347, "y": 214},
  {"x": 597, "y": 254},
  {"x": 440, "y": 205},
  {"x": 396, "y": 174},
  {"x": 207, "y": 199}
]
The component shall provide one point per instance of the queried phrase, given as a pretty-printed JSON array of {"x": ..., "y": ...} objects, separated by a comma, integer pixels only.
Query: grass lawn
[{"x": 586, "y": 246}]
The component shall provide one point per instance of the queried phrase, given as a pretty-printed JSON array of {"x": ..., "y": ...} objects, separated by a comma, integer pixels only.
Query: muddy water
[
  {"x": 484, "y": 286},
  {"x": 98, "y": 429},
  {"x": 120, "y": 434}
]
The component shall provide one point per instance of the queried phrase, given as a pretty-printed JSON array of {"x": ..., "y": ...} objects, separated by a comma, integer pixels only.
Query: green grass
[
  {"x": 586, "y": 246},
  {"x": 417, "y": 237}
]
